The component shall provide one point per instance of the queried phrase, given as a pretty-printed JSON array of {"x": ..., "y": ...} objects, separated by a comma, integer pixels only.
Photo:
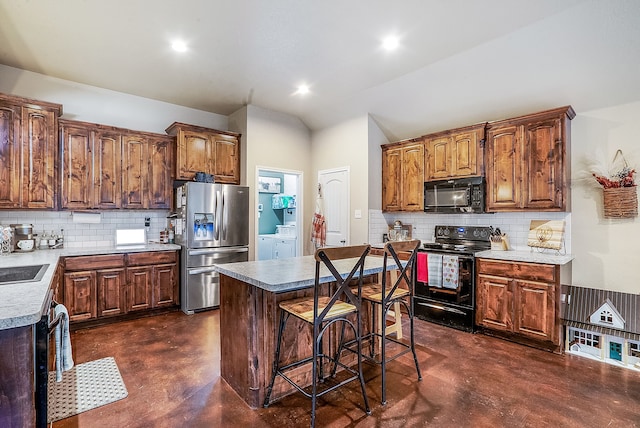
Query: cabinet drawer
[
  {"x": 530, "y": 271},
  {"x": 152, "y": 258},
  {"x": 94, "y": 262}
]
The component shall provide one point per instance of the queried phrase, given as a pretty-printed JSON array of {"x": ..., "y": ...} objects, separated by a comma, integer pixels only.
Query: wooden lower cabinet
[
  {"x": 103, "y": 286},
  {"x": 520, "y": 302},
  {"x": 111, "y": 285}
]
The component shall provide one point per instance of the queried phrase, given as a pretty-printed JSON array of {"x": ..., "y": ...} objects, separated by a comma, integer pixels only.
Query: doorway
[
  {"x": 334, "y": 190},
  {"x": 278, "y": 199}
]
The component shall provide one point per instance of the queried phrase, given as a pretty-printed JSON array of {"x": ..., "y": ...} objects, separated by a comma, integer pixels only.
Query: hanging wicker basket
[{"x": 620, "y": 202}]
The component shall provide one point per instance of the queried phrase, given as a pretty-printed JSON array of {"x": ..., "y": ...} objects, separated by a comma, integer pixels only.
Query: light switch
[{"x": 357, "y": 214}]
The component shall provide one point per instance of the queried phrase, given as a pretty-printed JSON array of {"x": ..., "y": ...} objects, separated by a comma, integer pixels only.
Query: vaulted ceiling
[{"x": 458, "y": 62}]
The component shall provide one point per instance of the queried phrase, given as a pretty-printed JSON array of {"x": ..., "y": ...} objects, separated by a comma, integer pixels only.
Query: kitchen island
[{"x": 249, "y": 296}]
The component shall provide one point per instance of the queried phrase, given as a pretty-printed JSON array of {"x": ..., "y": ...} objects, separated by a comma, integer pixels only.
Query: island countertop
[
  {"x": 289, "y": 274},
  {"x": 22, "y": 303}
]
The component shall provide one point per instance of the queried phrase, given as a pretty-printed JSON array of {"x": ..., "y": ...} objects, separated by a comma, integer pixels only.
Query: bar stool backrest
[
  {"x": 327, "y": 257},
  {"x": 405, "y": 272}
]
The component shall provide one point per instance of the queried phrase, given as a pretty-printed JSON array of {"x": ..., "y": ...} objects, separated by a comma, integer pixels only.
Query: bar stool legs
[{"x": 326, "y": 313}]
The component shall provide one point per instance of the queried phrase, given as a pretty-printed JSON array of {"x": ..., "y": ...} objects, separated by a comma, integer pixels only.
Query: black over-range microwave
[{"x": 460, "y": 195}]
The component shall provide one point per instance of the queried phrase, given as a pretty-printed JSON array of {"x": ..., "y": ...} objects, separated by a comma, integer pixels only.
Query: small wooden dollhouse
[{"x": 603, "y": 325}]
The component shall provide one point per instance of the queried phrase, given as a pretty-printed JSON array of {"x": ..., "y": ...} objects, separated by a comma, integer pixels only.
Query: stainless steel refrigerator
[{"x": 212, "y": 228}]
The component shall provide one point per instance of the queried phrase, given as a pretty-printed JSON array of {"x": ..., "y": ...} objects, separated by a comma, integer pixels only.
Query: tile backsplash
[
  {"x": 87, "y": 235},
  {"x": 515, "y": 225}
]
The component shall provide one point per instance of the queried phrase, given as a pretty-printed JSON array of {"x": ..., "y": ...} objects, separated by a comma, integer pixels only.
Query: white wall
[
  {"x": 347, "y": 145},
  {"x": 607, "y": 250},
  {"x": 276, "y": 141},
  {"x": 376, "y": 138},
  {"x": 97, "y": 105}
]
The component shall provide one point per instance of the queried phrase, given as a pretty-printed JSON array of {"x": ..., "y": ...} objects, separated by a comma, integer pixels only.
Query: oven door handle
[
  {"x": 442, "y": 308},
  {"x": 201, "y": 270},
  {"x": 218, "y": 250}
]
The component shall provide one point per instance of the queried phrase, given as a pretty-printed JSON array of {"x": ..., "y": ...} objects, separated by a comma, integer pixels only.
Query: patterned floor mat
[{"x": 84, "y": 387}]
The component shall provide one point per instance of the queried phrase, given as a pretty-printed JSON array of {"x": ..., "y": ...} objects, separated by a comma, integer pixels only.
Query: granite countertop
[
  {"x": 21, "y": 303},
  {"x": 281, "y": 275},
  {"x": 526, "y": 256}
]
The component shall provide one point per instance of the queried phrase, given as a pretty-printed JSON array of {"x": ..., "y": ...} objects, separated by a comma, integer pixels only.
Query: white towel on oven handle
[
  {"x": 450, "y": 272},
  {"x": 64, "y": 357},
  {"x": 434, "y": 267}
]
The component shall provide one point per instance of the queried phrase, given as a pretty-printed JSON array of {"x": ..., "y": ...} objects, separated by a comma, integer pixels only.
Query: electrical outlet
[{"x": 147, "y": 221}]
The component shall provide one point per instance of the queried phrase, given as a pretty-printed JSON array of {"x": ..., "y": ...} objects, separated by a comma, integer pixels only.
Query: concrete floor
[{"x": 170, "y": 366}]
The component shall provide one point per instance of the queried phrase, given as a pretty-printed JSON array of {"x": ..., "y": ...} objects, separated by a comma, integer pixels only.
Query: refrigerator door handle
[
  {"x": 201, "y": 270},
  {"x": 218, "y": 209},
  {"x": 218, "y": 250},
  {"x": 222, "y": 220}
]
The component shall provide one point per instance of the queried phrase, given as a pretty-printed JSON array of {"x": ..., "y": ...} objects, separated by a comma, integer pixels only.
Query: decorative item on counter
[
  {"x": 6, "y": 240},
  {"x": 399, "y": 232},
  {"x": 620, "y": 196},
  {"x": 546, "y": 234}
]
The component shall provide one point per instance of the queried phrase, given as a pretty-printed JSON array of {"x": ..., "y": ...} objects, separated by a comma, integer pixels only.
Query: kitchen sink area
[{"x": 12, "y": 275}]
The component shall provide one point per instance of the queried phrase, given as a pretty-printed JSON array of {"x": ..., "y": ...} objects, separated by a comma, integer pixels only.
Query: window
[
  {"x": 634, "y": 349},
  {"x": 585, "y": 338},
  {"x": 606, "y": 317}
]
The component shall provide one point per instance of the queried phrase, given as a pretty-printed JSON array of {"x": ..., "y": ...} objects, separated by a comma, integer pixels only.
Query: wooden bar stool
[
  {"x": 322, "y": 312},
  {"x": 390, "y": 294}
]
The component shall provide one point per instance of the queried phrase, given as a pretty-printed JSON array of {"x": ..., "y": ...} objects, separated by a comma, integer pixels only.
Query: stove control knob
[
  {"x": 484, "y": 234},
  {"x": 475, "y": 233},
  {"x": 446, "y": 232}
]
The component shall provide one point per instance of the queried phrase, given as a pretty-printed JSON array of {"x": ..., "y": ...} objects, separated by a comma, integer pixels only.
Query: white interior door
[{"x": 335, "y": 194}]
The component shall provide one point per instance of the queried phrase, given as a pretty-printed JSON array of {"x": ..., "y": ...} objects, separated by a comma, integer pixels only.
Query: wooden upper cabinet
[
  {"x": 28, "y": 152},
  {"x": 200, "y": 149},
  {"x": 227, "y": 159},
  {"x": 194, "y": 154},
  {"x": 76, "y": 163},
  {"x": 106, "y": 167},
  {"x": 455, "y": 153},
  {"x": 527, "y": 164},
  {"x": 160, "y": 186},
  {"x": 107, "y": 173},
  {"x": 403, "y": 176},
  {"x": 391, "y": 178},
  {"x": 10, "y": 156},
  {"x": 135, "y": 169}
]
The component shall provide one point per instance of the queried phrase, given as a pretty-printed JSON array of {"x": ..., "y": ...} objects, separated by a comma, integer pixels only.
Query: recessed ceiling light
[
  {"x": 390, "y": 43},
  {"x": 179, "y": 46},
  {"x": 302, "y": 90}
]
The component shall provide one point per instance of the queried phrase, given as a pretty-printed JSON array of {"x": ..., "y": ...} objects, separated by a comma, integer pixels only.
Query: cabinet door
[
  {"x": 76, "y": 164},
  {"x": 111, "y": 292},
  {"x": 544, "y": 164},
  {"x": 283, "y": 248},
  {"x": 10, "y": 167},
  {"x": 194, "y": 154},
  {"x": 140, "y": 291},
  {"x": 39, "y": 152},
  {"x": 439, "y": 158},
  {"x": 135, "y": 169},
  {"x": 412, "y": 178},
  {"x": 464, "y": 154},
  {"x": 160, "y": 174},
  {"x": 494, "y": 302},
  {"x": 227, "y": 158},
  {"x": 504, "y": 168},
  {"x": 391, "y": 178},
  {"x": 265, "y": 248},
  {"x": 107, "y": 174},
  {"x": 165, "y": 285},
  {"x": 535, "y": 314},
  {"x": 80, "y": 295}
]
